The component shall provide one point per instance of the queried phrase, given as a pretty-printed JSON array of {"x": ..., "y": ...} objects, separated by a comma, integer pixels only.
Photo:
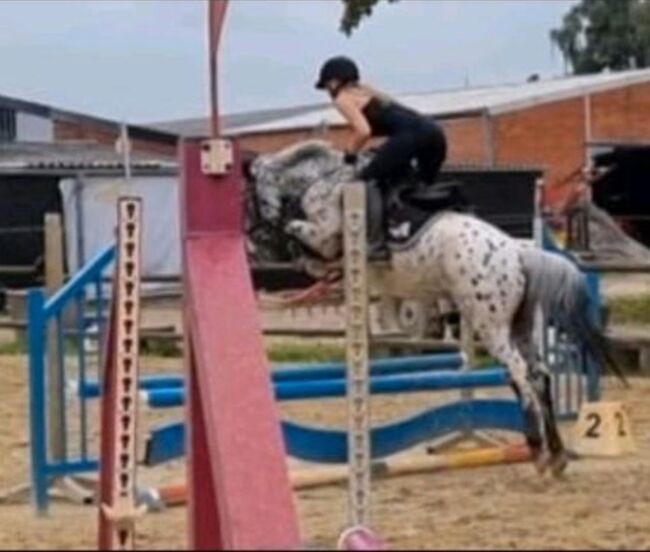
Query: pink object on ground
[{"x": 360, "y": 538}]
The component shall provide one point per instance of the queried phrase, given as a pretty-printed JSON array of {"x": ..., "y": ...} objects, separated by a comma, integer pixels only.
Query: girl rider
[{"x": 409, "y": 137}]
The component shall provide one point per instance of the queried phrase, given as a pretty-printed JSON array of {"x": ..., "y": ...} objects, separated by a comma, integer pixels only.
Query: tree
[
  {"x": 594, "y": 35},
  {"x": 355, "y": 11},
  {"x": 641, "y": 16},
  {"x": 601, "y": 34}
]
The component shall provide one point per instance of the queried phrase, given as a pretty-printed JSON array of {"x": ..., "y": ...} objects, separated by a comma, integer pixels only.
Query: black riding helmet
[{"x": 340, "y": 68}]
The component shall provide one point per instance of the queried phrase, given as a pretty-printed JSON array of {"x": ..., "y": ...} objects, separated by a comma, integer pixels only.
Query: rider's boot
[{"x": 377, "y": 248}]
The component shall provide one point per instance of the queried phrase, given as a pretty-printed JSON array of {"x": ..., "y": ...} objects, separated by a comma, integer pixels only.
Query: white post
[
  {"x": 124, "y": 148},
  {"x": 357, "y": 352},
  {"x": 53, "y": 282},
  {"x": 588, "y": 129},
  {"x": 468, "y": 351},
  {"x": 539, "y": 337}
]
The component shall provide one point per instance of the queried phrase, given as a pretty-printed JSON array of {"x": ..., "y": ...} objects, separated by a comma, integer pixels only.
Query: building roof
[
  {"x": 74, "y": 157},
  {"x": 63, "y": 115},
  {"x": 442, "y": 104},
  {"x": 200, "y": 126},
  {"x": 465, "y": 102}
]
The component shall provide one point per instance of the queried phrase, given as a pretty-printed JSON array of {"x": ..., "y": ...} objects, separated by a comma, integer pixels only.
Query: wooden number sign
[{"x": 603, "y": 429}]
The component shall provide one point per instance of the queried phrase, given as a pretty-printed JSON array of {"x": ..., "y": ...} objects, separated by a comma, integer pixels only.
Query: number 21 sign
[{"x": 603, "y": 429}]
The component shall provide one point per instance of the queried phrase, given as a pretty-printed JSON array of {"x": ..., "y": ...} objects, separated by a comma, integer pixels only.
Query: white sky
[{"x": 145, "y": 60}]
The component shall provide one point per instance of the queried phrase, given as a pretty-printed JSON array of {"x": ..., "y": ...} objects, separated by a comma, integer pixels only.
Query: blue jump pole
[
  {"x": 285, "y": 373},
  {"x": 37, "y": 395},
  {"x": 380, "y": 385}
]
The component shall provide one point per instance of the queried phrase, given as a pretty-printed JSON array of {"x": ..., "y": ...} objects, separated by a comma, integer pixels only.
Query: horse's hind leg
[
  {"x": 498, "y": 341},
  {"x": 541, "y": 380},
  {"x": 559, "y": 456}
]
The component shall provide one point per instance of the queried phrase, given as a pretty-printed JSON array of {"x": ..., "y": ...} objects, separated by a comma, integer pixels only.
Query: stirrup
[
  {"x": 400, "y": 232},
  {"x": 378, "y": 252}
]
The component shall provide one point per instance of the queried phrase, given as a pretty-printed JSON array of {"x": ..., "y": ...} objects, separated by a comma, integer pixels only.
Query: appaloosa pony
[{"x": 496, "y": 282}]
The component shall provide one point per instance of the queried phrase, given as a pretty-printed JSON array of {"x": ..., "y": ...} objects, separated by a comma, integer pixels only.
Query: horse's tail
[{"x": 557, "y": 286}]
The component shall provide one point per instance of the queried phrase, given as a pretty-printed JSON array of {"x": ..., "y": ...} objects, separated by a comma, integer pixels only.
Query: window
[{"x": 7, "y": 125}]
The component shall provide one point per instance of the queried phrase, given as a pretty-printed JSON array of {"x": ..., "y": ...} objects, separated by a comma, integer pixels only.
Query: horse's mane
[{"x": 310, "y": 150}]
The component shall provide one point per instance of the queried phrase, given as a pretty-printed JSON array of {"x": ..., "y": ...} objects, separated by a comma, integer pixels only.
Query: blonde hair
[
  {"x": 370, "y": 91},
  {"x": 376, "y": 93}
]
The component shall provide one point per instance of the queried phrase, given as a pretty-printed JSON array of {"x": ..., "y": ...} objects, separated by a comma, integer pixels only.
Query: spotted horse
[{"x": 496, "y": 282}]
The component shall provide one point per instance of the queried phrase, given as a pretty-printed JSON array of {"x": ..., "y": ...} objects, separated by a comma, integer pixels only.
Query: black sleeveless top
[{"x": 387, "y": 118}]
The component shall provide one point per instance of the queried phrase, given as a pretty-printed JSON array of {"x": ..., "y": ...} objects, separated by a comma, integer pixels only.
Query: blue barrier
[
  {"x": 42, "y": 313},
  {"x": 379, "y": 385},
  {"x": 329, "y": 446},
  {"x": 87, "y": 275},
  {"x": 37, "y": 418}
]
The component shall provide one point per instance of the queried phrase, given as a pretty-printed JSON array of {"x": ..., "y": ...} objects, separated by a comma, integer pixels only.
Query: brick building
[
  {"x": 23, "y": 121},
  {"x": 555, "y": 125},
  {"x": 549, "y": 124},
  {"x": 56, "y": 161}
]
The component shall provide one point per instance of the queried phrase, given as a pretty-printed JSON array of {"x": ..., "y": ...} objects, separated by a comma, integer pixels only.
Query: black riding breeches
[{"x": 392, "y": 161}]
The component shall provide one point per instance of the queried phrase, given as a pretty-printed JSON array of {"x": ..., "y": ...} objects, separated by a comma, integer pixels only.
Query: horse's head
[
  {"x": 283, "y": 177},
  {"x": 298, "y": 189}
]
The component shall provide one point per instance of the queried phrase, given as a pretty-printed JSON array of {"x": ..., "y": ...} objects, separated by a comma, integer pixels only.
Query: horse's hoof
[
  {"x": 559, "y": 464},
  {"x": 541, "y": 467},
  {"x": 541, "y": 461}
]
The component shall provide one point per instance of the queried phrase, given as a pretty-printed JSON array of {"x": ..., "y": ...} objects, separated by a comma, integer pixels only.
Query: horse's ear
[{"x": 247, "y": 164}]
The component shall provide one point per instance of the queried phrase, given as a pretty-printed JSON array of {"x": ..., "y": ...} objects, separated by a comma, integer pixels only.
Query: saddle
[
  {"x": 439, "y": 197},
  {"x": 408, "y": 208}
]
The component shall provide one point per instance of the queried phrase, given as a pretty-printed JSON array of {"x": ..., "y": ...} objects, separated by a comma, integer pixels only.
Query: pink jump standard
[{"x": 239, "y": 491}]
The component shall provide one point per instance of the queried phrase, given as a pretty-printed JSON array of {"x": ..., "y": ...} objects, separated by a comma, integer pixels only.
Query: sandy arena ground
[{"x": 601, "y": 504}]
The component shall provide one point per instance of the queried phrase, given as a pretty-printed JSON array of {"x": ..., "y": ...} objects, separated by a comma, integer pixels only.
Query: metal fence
[{"x": 60, "y": 431}]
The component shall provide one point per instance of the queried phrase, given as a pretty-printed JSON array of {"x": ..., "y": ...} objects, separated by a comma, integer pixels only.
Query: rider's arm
[{"x": 361, "y": 131}]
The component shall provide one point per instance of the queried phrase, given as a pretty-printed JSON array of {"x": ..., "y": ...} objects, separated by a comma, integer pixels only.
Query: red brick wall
[
  {"x": 466, "y": 141},
  {"x": 466, "y": 138},
  {"x": 553, "y": 135},
  {"x": 274, "y": 141},
  {"x": 550, "y": 136},
  {"x": 66, "y": 131},
  {"x": 621, "y": 114}
]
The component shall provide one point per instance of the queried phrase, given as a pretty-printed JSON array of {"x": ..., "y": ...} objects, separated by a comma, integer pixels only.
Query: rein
[{"x": 315, "y": 293}]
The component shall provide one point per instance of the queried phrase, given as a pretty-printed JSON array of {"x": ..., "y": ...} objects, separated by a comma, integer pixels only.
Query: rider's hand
[
  {"x": 350, "y": 158},
  {"x": 350, "y": 166}
]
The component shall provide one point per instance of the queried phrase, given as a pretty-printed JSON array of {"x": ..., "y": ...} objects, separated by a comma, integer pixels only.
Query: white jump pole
[
  {"x": 357, "y": 536},
  {"x": 119, "y": 449},
  {"x": 357, "y": 352}
]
